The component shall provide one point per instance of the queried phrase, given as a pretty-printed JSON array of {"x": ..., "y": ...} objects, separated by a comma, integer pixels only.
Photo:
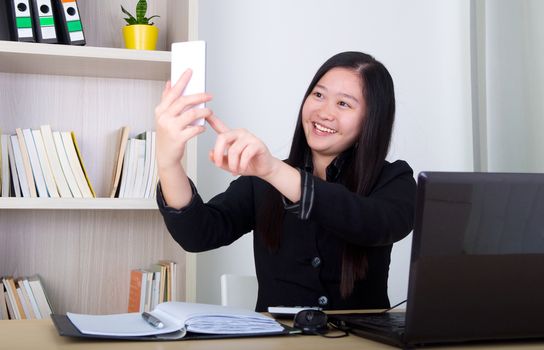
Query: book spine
[
  {"x": 9, "y": 307},
  {"x": 14, "y": 175},
  {"x": 118, "y": 166},
  {"x": 124, "y": 174},
  {"x": 12, "y": 304},
  {"x": 3, "y": 304},
  {"x": 31, "y": 298},
  {"x": 65, "y": 165},
  {"x": 13, "y": 166},
  {"x": 82, "y": 164},
  {"x": 75, "y": 165},
  {"x": 17, "y": 305},
  {"x": 54, "y": 162},
  {"x": 41, "y": 298},
  {"x": 24, "y": 305},
  {"x": 21, "y": 171},
  {"x": 26, "y": 163},
  {"x": 6, "y": 183},
  {"x": 35, "y": 163},
  {"x": 44, "y": 162},
  {"x": 150, "y": 175},
  {"x": 135, "y": 291}
]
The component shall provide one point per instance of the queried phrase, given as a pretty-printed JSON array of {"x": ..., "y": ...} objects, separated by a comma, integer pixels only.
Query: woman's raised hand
[
  {"x": 174, "y": 116},
  {"x": 240, "y": 152}
]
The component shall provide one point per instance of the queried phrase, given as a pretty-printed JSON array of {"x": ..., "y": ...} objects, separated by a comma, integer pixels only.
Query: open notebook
[{"x": 180, "y": 321}]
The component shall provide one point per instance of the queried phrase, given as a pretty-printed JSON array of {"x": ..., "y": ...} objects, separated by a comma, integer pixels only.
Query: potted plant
[{"x": 139, "y": 33}]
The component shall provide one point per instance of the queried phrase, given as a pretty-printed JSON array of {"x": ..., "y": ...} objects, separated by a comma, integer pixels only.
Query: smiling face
[{"x": 333, "y": 113}]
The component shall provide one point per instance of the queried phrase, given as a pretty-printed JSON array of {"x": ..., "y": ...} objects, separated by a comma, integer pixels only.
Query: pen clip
[{"x": 152, "y": 320}]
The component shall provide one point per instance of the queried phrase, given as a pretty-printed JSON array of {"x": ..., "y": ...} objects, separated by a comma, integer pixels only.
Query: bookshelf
[
  {"x": 84, "y": 249},
  {"x": 83, "y": 61},
  {"x": 78, "y": 203}
]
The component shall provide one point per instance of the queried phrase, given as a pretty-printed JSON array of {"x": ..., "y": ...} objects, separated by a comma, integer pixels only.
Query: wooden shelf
[
  {"x": 78, "y": 203},
  {"x": 85, "y": 61},
  {"x": 84, "y": 249}
]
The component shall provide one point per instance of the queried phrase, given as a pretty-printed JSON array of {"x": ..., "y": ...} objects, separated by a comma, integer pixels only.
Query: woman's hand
[
  {"x": 240, "y": 152},
  {"x": 173, "y": 118}
]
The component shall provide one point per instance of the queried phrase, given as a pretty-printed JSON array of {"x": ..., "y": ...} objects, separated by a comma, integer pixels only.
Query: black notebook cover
[{"x": 66, "y": 328}]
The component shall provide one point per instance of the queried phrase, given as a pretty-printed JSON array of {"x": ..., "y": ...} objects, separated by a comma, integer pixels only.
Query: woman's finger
[
  {"x": 249, "y": 152},
  {"x": 222, "y": 143},
  {"x": 190, "y": 132},
  {"x": 198, "y": 113},
  {"x": 177, "y": 126},
  {"x": 217, "y": 124},
  {"x": 166, "y": 88},
  {"x": 233, "y": 154},
  {"x": 161, "y": 107},
  {"x": 177, "y": 90},
  {"x": 185, "y": 103}
]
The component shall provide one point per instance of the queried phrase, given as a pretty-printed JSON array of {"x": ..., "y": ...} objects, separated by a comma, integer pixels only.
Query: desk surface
[{"x": 42, "y": 334}]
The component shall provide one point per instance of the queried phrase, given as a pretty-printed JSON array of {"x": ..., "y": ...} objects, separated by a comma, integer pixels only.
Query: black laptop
[{"x": 477, "y": 263}]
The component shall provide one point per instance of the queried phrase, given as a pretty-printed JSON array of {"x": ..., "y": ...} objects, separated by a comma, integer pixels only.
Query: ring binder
[
  {"x": 19, "y": 19},
  {"x": 44, "y": 21},
  {"x": 68, "y": 22}
]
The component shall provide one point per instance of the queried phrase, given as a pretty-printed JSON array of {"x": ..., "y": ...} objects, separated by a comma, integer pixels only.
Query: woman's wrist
[
  {"x": 286, "y": 179},
  {"x": 175, "y": 186},
  {"x": 275, "y": 170},
  {"x": 170, "y": 165}
]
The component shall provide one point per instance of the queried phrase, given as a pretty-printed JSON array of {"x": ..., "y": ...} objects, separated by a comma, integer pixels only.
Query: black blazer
[{"x": 305, "y": 271}]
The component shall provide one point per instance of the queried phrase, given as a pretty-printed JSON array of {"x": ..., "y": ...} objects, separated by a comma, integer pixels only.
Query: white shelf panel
[
  {"x": 78, "y": 204},
  {"x": 88, "y": 61}
]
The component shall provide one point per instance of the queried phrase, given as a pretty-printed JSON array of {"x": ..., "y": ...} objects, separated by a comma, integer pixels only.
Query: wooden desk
[{"x": 42, "y": 334}]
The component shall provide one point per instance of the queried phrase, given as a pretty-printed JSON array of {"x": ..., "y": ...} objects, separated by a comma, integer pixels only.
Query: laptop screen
[{"x": 477, "y": 264}]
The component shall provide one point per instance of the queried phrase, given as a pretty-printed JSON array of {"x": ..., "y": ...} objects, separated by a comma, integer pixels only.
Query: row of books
[
  {"x": 150, "y": 287},
  {"x": 23, "y": 299},
  {"x": 43, "y": 163},
  {"x": 44, "y": 21},
  {"x": 135, "y": 171}
]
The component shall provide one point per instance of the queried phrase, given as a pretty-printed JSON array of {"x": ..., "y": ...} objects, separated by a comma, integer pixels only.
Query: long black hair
[{"x": 361, "y": 171}]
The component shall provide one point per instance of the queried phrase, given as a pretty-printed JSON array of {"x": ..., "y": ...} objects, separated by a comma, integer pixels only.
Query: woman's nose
[{"x": 326, "y": 111}]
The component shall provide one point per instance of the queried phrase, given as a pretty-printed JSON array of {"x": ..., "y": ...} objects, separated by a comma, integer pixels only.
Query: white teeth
[{"x": 324, "y": 129}]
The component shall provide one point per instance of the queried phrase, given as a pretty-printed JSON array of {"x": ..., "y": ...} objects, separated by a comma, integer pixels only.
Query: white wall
[
  {"x": 262, "y": 55},
  {"x": 514, "y": 83}
]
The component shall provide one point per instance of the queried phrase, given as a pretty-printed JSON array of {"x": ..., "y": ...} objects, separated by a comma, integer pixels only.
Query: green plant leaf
[
  {"x": 130, "y": 19},
  {"x": 148, "y": 19},
  {"x": 141, "y": 9}
]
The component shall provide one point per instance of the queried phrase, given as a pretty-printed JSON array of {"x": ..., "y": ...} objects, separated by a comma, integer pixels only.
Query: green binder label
[
  {"x": 47, "y": 21},
  {"x": 74, "y": 26},
  {"x": 24, "y": 22}
]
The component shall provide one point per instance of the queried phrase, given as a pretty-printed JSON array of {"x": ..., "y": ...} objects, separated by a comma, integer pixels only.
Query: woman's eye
[
  {"x": 344, "y": 104},
  {"x": 318, "y": 94}
]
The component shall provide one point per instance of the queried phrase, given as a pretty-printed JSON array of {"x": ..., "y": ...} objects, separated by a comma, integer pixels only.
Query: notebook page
[
  {"x": 217, "y": 319},
  {"x": 128, "y": 324}
]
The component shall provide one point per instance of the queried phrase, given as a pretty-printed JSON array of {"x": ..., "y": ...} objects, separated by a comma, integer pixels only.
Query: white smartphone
[{"x": 190, "y": 54}]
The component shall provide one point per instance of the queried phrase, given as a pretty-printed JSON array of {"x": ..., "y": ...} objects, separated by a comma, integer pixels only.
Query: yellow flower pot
[{"x": 141, "y": 36}]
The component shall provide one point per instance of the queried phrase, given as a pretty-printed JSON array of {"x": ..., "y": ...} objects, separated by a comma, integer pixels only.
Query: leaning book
[{"x": 179, "y": 320}]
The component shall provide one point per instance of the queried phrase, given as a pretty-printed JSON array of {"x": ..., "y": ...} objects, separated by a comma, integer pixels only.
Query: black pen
[{"x": 152, "y": 320}]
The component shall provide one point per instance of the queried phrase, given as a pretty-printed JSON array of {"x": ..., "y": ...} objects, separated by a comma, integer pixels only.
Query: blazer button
[
  {"x": 316, "y": 262},
  {"x": 323, "y": 300}
]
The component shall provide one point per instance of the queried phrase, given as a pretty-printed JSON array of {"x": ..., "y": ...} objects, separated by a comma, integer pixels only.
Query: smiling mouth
[{"x": 323, "y": 128}]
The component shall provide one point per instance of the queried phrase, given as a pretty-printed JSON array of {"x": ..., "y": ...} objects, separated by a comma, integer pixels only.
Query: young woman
[{"x": 325, "y": 219}]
